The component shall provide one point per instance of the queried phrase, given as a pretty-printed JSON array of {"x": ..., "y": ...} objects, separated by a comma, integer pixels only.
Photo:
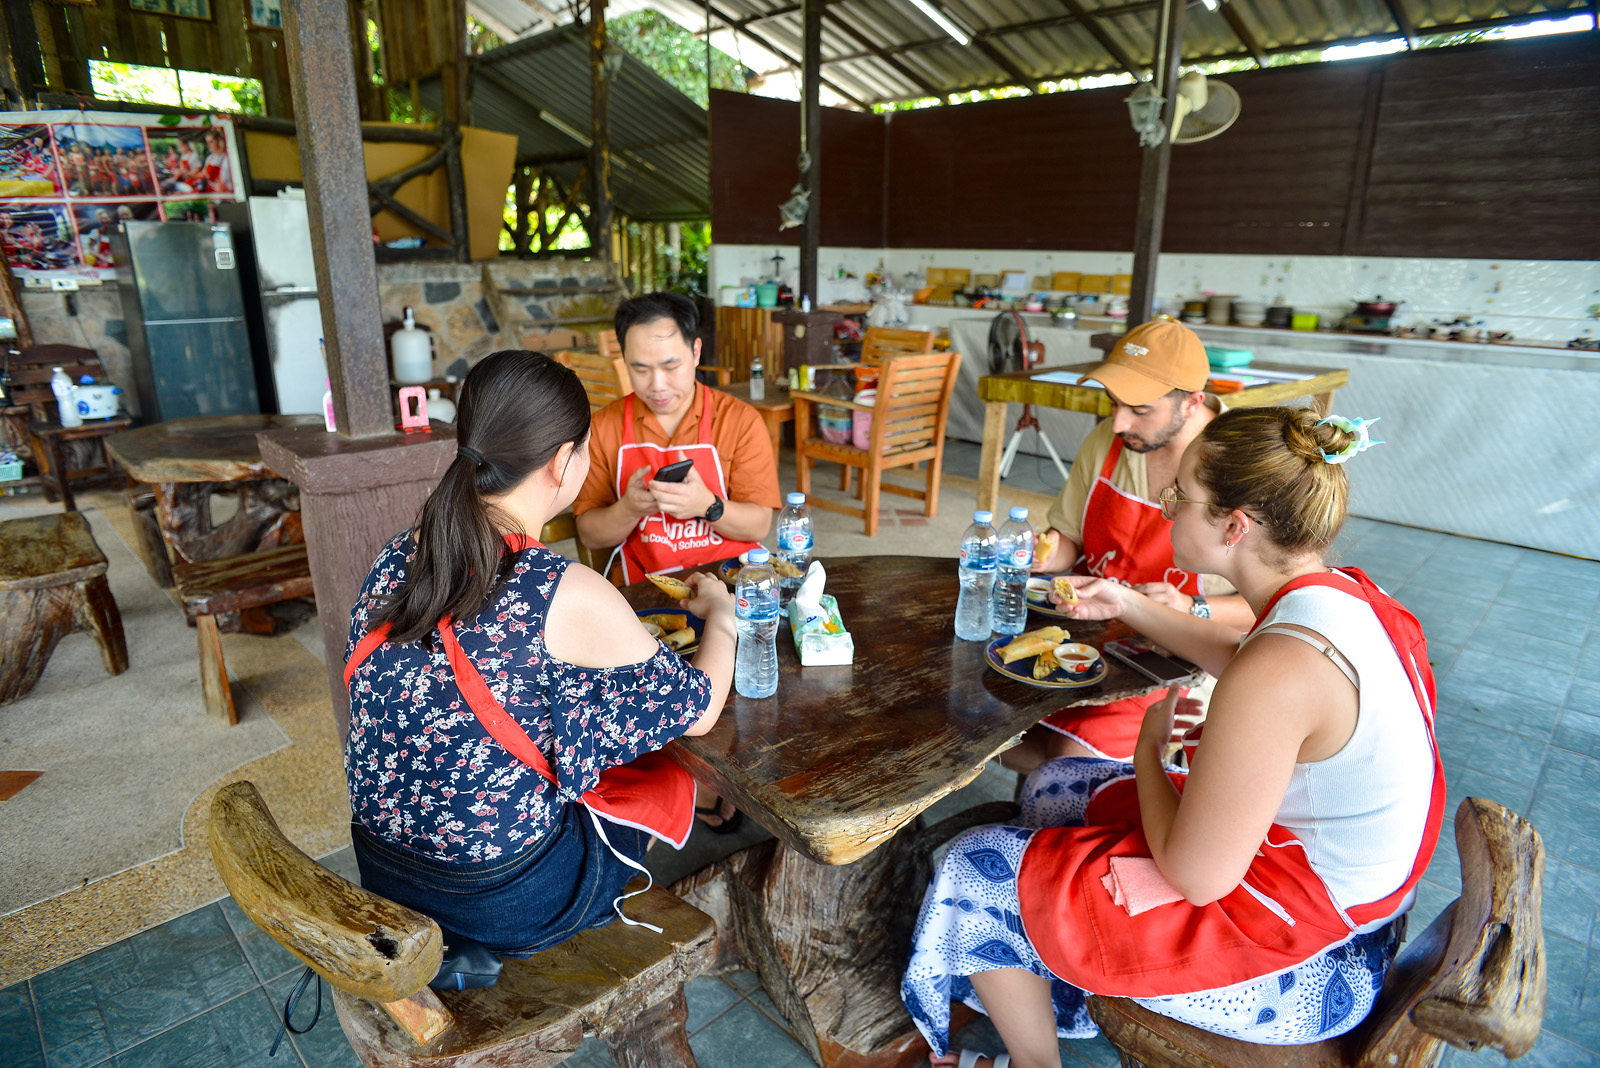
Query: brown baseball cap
[{"x": 1152, "y": 360}]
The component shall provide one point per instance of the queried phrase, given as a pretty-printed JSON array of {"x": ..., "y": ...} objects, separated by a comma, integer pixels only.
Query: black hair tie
[{"x": 472, "y": 455}]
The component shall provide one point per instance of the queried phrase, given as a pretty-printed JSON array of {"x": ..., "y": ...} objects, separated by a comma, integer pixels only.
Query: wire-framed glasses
[{"x": 1170, "y": 501}]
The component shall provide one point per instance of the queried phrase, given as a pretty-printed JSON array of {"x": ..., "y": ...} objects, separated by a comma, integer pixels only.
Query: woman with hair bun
[
  {"x": 507, "y": 707},
  {"x": 1255, "y": 895}
]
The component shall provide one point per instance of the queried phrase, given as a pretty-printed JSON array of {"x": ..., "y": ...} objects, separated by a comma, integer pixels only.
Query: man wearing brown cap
[{"x": 1108, "y": 518}]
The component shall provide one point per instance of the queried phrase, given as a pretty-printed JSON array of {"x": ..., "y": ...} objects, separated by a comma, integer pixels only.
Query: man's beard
[{"x": 1134, "y": 443}]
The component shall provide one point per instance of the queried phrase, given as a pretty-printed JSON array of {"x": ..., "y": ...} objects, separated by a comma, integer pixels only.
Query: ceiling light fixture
[
  {"x": 942, "y": 20},
  {"x": 1211, "y": 5}
]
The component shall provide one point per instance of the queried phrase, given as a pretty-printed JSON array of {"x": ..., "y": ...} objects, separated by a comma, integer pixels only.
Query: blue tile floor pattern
[{"x": 1515, "y": 639}]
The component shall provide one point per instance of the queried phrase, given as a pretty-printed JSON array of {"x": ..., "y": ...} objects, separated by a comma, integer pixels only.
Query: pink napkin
[{"x": 1137, "y": 885}]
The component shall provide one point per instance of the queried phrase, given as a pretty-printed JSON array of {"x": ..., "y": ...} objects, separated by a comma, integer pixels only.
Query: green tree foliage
[{"x": 674, "y": 53}]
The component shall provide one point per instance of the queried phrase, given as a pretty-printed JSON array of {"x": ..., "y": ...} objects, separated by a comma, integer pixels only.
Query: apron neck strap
[
  {"x": 704, "y": 437},
  {"x": 1112, "y": 454}
]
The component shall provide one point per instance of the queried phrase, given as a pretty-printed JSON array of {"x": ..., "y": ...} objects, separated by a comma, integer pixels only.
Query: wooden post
[
  {"x": 328, "y": 128},
  {"x": 1153, "y": 168},
  {"x": 811, "y": 150},
  {"x": 600, "y": 135},
  {"x": 524, "y": 193}
]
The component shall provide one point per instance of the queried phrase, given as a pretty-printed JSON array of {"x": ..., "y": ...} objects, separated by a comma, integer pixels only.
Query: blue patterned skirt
[{"x": 971, "y": 921}]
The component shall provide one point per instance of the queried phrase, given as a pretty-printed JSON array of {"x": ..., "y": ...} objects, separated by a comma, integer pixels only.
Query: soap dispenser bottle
[{"x": 411, "y": 352}]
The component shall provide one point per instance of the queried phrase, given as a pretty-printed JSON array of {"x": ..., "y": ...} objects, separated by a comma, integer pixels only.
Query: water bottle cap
[
  {"x": 759, "y": 555},
  {"x": 86, "y": 380},
  {"x": 797, "y": 498},
  {"x": 1018, "y": 512},
  {"x": 981, "y": 516}
]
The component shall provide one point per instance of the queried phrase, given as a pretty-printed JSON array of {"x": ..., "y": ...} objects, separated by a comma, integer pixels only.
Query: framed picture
[
  {"x": 189, "y": 9},
  {"x": 266, "y": 14}
]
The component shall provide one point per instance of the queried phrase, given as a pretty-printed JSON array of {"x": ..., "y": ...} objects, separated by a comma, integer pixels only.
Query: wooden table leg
[
  {"x": 95, "y": 610},
  {"x": 994, "y": 439},
  {"x": 58, "y": 468},
  {"x": 774, "y": 421}
]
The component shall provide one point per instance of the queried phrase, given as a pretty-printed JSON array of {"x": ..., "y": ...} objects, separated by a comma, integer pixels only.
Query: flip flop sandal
[
  {"x": 969, "y": 1059},
  {"x": 729, "y": 824}
]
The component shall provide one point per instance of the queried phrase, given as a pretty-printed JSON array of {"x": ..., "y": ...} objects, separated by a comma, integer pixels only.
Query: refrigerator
[
  {"x": 184, "y": 309},
  {"x": 280, "y": 283}
]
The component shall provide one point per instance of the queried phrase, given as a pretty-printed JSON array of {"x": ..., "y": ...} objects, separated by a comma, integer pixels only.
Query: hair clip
[{"x": 1358, "y": 427}]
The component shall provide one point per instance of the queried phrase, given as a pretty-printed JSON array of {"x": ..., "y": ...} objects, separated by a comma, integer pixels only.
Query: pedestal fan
[{"x": 1011, "y": 349}]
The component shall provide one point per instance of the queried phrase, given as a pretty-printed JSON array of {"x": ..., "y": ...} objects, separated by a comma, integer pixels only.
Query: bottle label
[
  {"x": 976, "y": 563},
  {"x": 1021, "y": 557},
  {"x": 794, "y": 541}
]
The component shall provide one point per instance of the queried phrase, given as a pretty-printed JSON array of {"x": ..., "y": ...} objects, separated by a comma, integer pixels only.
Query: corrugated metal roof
[
  {"x": 538, "y": 89},
  {"x": 882, "y": 50}
]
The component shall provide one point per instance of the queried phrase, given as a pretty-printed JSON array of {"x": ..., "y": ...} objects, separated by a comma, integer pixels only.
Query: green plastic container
[
  {"x": 1222, "y": 359},
  {"x": 767, "y": 295}
]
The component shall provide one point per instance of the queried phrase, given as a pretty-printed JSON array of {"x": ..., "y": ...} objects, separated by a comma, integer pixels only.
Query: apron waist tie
[{"x": 616, "y": 903}]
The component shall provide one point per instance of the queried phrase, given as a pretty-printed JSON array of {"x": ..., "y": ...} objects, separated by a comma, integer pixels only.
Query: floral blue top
[{"x": 424, "y": 773}]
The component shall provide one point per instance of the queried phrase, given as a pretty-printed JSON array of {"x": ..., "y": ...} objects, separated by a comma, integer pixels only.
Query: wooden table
[
  {"x": 1022, "y": 387},
  {"x": 776, "y": 408},
  {"x": 838, "y": 765},
  {"x": 187, "y": 460}
]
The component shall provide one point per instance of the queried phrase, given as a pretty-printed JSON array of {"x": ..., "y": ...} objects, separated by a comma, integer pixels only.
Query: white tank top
[{"x": 1361, "y": 812}]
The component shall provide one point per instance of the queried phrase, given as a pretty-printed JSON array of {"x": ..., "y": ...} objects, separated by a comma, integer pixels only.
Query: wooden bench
[
  {"x": 53, "y": 581},
  {"x": 1474, "y": 978},
  {"x": 32, "y": 418},
  {"x": 233, "y": 584},
  {"x": 620, "y": 982}
]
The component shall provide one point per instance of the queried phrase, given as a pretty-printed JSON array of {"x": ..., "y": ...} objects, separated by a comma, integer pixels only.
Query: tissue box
[{"x": 813, "y": 641}]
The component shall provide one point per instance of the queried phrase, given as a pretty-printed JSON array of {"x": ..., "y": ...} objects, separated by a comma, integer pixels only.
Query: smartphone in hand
[
  {"x": 674, "y": 472},
  {"x": 1143, "y": 658}
]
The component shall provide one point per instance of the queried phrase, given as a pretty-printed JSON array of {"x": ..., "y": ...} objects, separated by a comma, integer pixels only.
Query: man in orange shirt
[{"x": 724, "y": 505}]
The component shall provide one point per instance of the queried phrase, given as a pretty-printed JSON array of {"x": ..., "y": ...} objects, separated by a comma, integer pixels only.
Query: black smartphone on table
[
  {"x": 1142, "y": 657},
  {"x": 674, "y": 472}
]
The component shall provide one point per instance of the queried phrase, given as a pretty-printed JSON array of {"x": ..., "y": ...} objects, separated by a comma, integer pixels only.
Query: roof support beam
[
  {"x": 899, "y": 68},
  {"x": 811, "y": 152},
  {"x": 1236, "y": 23},
  {"x": 1154, "y": 166},
  {"x": 621, "y": 156},
  {"x": 723, "y": 17},
  {"x": 1402, "y": 22},
  {"x": 1105, "y": 40},
  {"x": 600, "y": 136},
  {"x": 987, "y": 48}
]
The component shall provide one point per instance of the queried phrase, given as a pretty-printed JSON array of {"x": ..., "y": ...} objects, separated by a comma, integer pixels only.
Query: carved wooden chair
[
  {"x": 882, "y": 342},
  {"x": 623, "y": 983},
  {"x": 908, "y": 421},
  {"x": 1474, "y": 978}
]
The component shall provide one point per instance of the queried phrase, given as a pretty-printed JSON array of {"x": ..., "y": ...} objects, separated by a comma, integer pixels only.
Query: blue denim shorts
[{"x": 560, "y": 885}]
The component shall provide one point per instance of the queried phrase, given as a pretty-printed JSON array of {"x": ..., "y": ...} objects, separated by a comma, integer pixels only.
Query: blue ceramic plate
[
  {"x": 1045, "y": 608},
  {"x": 696, "y": 624},
  {"x": 1022, "y": 670}
]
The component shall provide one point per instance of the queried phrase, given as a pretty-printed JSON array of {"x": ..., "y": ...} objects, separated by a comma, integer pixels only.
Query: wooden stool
[
  {"x": 623, "y": 983},
  {"x": 49, "y": 441},
  {"x": 1474, "y": 978},
  {"x": 53, "y": 576},
  {"x": 232, "y": 584}
]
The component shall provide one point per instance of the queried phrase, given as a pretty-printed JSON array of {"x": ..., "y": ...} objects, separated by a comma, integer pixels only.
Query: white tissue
[{"x": 808, "y": 598}]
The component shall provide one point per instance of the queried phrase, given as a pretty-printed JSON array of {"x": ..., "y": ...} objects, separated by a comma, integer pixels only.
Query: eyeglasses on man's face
[{"x": 1170, "y": 501}]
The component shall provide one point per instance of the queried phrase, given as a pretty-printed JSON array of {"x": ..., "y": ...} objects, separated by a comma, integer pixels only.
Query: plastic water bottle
[
  {"x": 1011, "y": 577},
  {"x": 758, "y": 384},
  {"x": 794, "y": 542},
  {"x": 66, "y": 400},
  {"x": 975, "y": 606},
  {"x": 755, "y": 601}
]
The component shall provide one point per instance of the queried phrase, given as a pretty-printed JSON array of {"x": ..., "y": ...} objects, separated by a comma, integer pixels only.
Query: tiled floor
[{"x": 1516, "y": 643}]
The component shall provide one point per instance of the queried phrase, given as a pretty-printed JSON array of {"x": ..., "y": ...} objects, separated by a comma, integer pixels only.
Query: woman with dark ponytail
[{"x": 507, "y": 707}]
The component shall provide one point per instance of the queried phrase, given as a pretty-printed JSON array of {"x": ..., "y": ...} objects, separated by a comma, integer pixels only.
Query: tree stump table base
[{"x": 53, "y": 579}]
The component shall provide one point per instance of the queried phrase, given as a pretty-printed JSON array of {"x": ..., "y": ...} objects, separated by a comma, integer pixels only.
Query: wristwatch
[
  {"x": 714, "y": 513},
  {"x": 1200, "y": 608}
]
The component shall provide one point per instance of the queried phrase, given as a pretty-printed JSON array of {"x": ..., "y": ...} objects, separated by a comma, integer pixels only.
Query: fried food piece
[
  {"x": 1065, "y": 590},
  {"x": 1032, "y": 643},
  {"x": 680, "y": 639},
  {"x": 786, "y": 570},
  {"x": 1046, "y": 664},
  {"x": 674, "y": 588},
  {"x": 667, "y": 622},
  {"x": 1046, "y": 545}
]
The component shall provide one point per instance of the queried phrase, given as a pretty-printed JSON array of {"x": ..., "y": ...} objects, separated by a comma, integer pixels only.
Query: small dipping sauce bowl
[
  {"x": 1076, "y": 658},
  {"x": 1039, "y": 590}
]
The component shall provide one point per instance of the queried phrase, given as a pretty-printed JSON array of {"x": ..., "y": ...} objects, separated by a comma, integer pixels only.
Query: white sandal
[{"x": 969, "y": 1059}]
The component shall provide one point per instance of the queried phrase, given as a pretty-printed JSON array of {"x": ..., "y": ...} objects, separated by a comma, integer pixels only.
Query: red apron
[
  {"x": 1128, "y": 539},
  {"x": 660, "y": 542},
  {"x": 1279, "y": 916},
  {"x": 651, "y": 793}
]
